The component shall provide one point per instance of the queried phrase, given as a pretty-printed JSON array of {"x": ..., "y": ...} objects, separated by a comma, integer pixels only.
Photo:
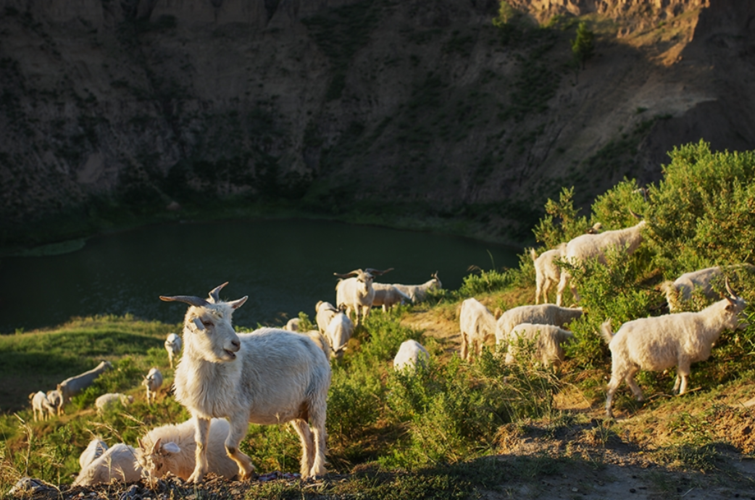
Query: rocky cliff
[{"x": 400, "y": 107}]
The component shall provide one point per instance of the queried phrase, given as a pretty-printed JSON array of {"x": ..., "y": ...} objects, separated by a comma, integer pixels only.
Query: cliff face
[{"x": 336, "y": 104}]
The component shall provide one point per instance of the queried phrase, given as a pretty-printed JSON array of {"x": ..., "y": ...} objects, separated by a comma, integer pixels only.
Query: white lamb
[
  {"x": 418, "y": 292},
  {"x": 266, "y": 377},
  {"x": 339, "y": 332},
  {"x": 547, "y": 339},
  {"x": 116, "y": 464},
  {"x": 292, "y": 325},
  {"x": 543, "y": 314},
  {"x": 102, "y": 403},
  {"x": 477, "y": 323},
  {"x": 173, "y": 345},
  {"x": 55, "y": 398},
  {"x": 388, "y": 296},
  {"x": 681, "y": 290},
  {"x": 92, "y": 452},
  {"x": 594, "y": 246},
  {"x": 325, "y": 312},
  {"x": 40, "y": 405},
  {"x": 410, "y": 354},
  {"x": 354, "y": 291},
  {"x": 171, "y": 448},
  {"x": 73, "y": 385},
  {"x": 153, "y": 381},
  {"x": 547, "y": 271},
  {"x": 662, "y": 342}
]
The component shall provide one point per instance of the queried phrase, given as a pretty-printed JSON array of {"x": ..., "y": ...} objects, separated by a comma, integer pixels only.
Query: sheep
[
  {"x": 547, "y": 342},
  {"x": 173, "y": 345},
  {"x": 354, "y": 291},
  {"x": 477, "y": 324},
  {"x": 339, "y": 332},
  {"x": 40, "y": 405},
  {"x": 55, "y": 398},
  {"x": 662, "y": 342},
  {"x": 589, "y": 246},
  {"x": 418, "y": 292},
  {"x": 543, "y": 314},
  {"x": 105, "y": 401},
  {"x": 171, "y": 448},
  {"x": 73, "y": 385},
  {"x": 681, "y": 289},
  {"x": 116, "y": 464},
  {"x": 388, "y": 296},
  {"x": 325, "y": 312},
  {"x": 292, "y": 325},
  {"x": 92, "y": 452},
  {"x": 152, "y": 382},
  {"x": 269, "y": 376},
  {"x": 410, "y": 354},
  {"x": 321, "y": 342},
  {"x": 546, "y": 271}
]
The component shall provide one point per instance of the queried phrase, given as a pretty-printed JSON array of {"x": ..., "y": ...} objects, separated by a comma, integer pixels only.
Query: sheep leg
[
  {"x": 632, "y": 383},
  {"x": 682, "y": 371},
  {"x": 538, "y": 289},
  {"x": 318, "y": 410},
  {"x": 307, "y": 445},
  {"x": 546, "y": 289},
  {"x": 464, "y": 341},
  {"x": 201, "y": 435},
  {"x": 561, "y": 287},
  {"x": 612, "y": 386},
  {"x": 239, "y": 426}
]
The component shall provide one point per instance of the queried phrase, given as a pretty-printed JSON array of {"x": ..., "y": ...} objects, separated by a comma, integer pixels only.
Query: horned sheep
[
  {"x": 173, "y": 345},
  {"x": 418, "y": 293},
  {"x": 153, "y": 381},
  {"x": 388, "y": 296},
  {"x": 681, "y": 289},
  {"x": 354, "y": 291},
  {"x": 476, "y": 323},
  {"x": 410, "y": 354},
  {"x": 115, "y": 464},
  {"x": 74, "y": 385},
  {"x": 171, "y": 448},
  {"x": 269, "y": 376},
  {"x": 543, "y": 314},
  {"x": 102, "y": 403},
  {"x": 662, "y": 342},
  {"x": 547, "y": 340}
]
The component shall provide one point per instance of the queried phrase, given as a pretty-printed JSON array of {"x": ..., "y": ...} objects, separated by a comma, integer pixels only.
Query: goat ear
[
  {"x": 238, "y": 303},
  {"x": 171, "y": 447},
  {"x": 198, "y": 323},
  {"x": 156, "y": 446}
]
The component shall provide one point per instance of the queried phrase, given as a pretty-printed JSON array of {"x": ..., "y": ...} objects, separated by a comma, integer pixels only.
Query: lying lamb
[
  {"x": 547, "y": 339},
  {"x": 93, "y": 451},
  {"x": 409, "y": 355},
  {"x": 116, "y": 464},
  {"x": 105, "y": 401}
]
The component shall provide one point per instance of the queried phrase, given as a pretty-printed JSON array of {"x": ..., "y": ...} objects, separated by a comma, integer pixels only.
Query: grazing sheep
[
  {"x": 547, "y": 342},
  {"x": 105, "y": 401},
  {"x": 93, "y": 451},
  {"x": 662, "y": 342},
  {"x": 152, "y": 382},
  {"x": 171, "y": 448},
  {"x": 681, "y": 290},
  {"x": 74, "y": 385},
  {"x": 477, "y": 323},
  {"x": 409, "y": 355},
  {"x": 418, "y": 292},
  {"x": 325, "y": 312},
  {"x": 173, "y": 345},
  {"x": 594, "y": 246},
  {"x": 546, "y": 271},
  {"x": 338, "y": 333},
  {"x": 39, "y": 404},
  {"x": 55, "y": 398},
  {"x": 388, "y": 296},
  {"x": 265, "y": 377},
  {"x": 354, "y": 291},
  {"x": 292, "y": 325},
  {"x": 116, "y": 464},
  {"x": 543, "y": 314}
]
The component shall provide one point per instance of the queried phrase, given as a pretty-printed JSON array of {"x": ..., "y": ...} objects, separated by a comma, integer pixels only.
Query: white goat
[
  {"x": 325, "y": 312},
  {"x": 171, "y": 448},
  {"x": 40, "y": 405},
  {"x": 354, "y": 291},
  {"x": 320, "y": 340},
  {"x": 388, "y": 296},
  {"x": 681, "y": 290},
  {"x": 418, "y": 292},
  {"x": 594, "y": 246},
  {"x": 339, "y": 332},
  {"x": 547, "y": 341},
  {"x": 102, "y": 403},
  {"x": 547, "y": 271},
  {"x": 266, "y": 377},
  {"x": 153, "y": 381},
  {"x": 173, "y": 345},
  {"x": 662, "y": 342},
  {"x": 292, "y": 325},
  {"x": 116, "y": 464},
  {"x": 55, "y": 398},
  {"x": 73, "y": 385},
  {"x": 92, "y": 452},
  {"x": 477, "y": 323},
  {"x": 543, "y": 314},
  {"x": 410, "y": 354}
]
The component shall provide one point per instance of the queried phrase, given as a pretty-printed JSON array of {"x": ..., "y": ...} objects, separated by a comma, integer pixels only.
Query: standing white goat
[
  {"x": 325, "y": 312},
  {"x": 418, "y": 292},
  {"x": 547, "y": 271},
  {"x": 476, "y": 323},
  {"x": 339, "y": 332},
  {"x": 173, "y": 345},
  {"x": 388, "y": 296},
  {"x": 116, "y": 464},
  {"x": 153, "y": 381},
  {"x": 543, "y": 314},
  {"x": 410, "y": 354},
  {"x": 40, "y": 405},
  {"x": 269, "y": 376},
  {"x": 55, "y": 398},
  {"x": 547, "y": 342},
  {"x": 594, "y": 246},
  {"x": 662, "y": 342},
  {"x": 73, "y": 385},
  {"x": 354, "y": 291}
]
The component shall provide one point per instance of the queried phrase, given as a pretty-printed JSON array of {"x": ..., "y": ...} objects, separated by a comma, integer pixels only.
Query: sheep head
[
  {"x": 208, "y": 326},
  {"x": 734, "y": 307},
  {"x": 153, "y": 459},
  {"x": 364, "y": 277}
]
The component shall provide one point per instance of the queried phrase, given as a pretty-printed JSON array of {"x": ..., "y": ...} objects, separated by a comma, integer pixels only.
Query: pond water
[{"x": 284, "y": 266}]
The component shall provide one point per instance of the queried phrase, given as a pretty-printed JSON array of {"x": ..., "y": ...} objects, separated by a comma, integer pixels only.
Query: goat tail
[
  {"x": 606, "y": 331},
  {"x": 533, "y": 254}
]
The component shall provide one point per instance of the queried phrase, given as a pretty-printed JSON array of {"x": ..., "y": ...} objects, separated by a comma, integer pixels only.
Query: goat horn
[
  {"x": 728, "y": 288},
  {"x": 375, "y": 272},
  {"x": 347, "y": 275},
  {"x": 215, "y": 293},
  {"x": 188, "y": 299},
  {"x": 636, "y": 216}
]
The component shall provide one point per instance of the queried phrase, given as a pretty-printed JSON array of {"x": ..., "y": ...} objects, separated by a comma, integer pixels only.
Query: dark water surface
[{"x": 284, "y": 266}]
